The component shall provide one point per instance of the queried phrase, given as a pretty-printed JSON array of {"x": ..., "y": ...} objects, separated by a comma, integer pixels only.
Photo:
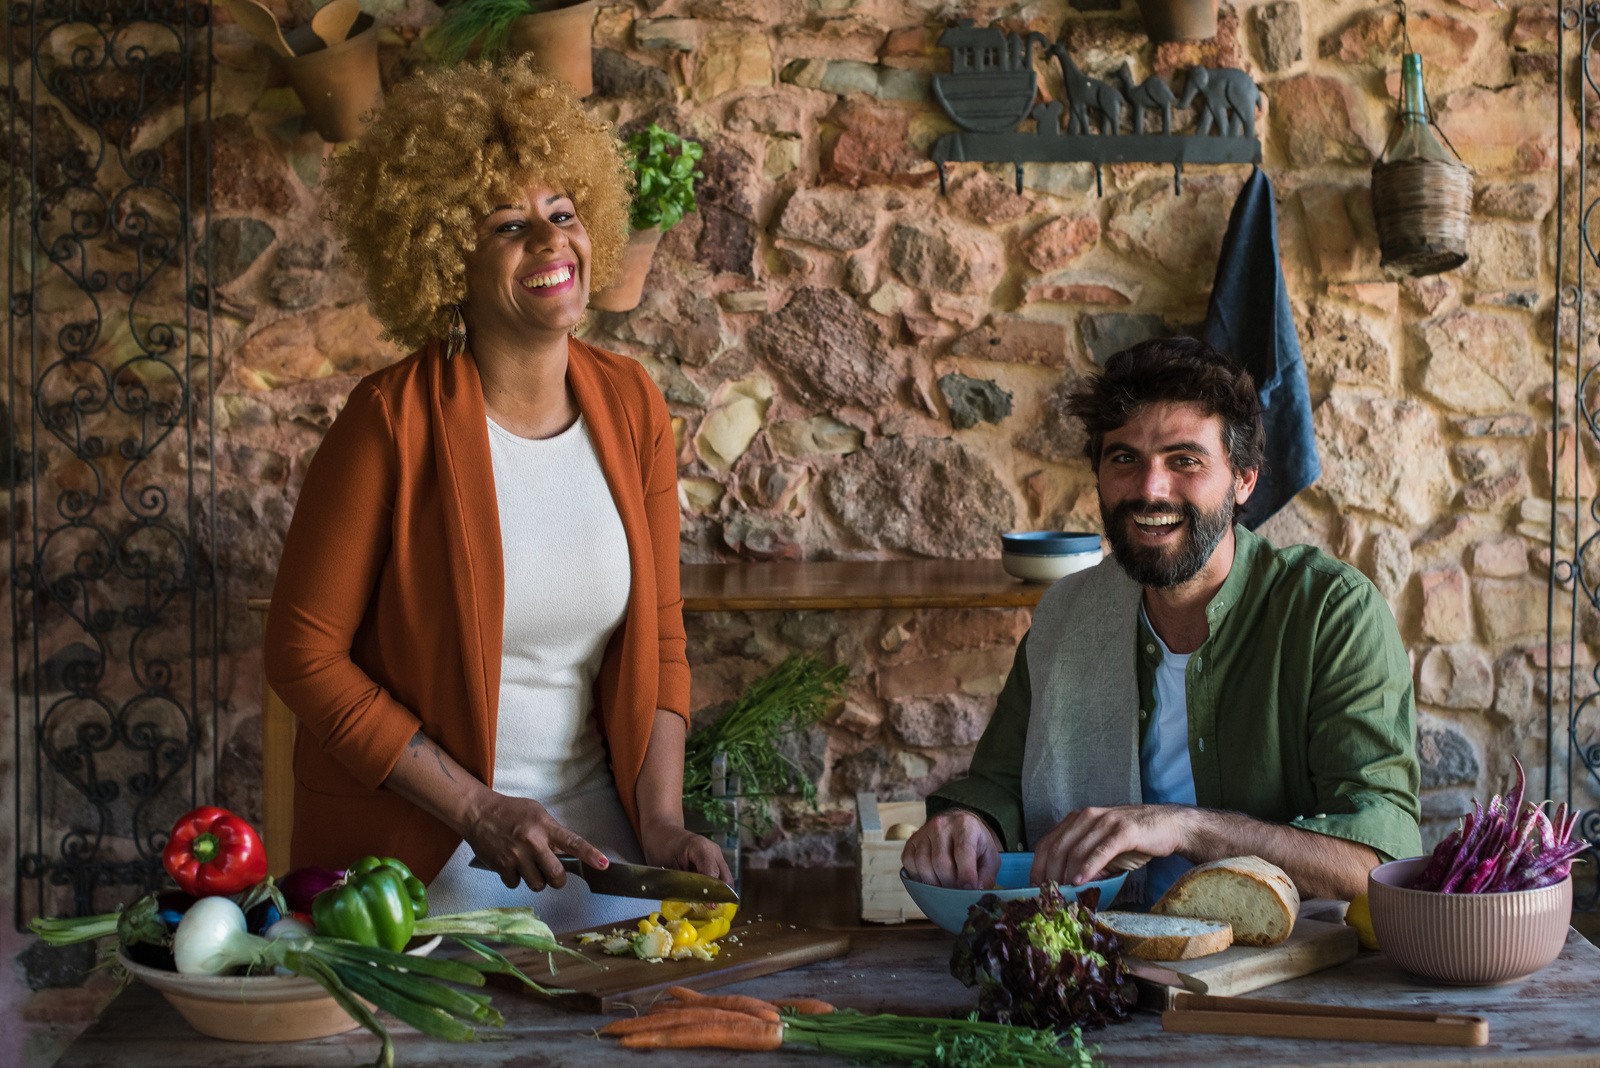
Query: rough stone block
[
  {"x": 1383, "y": 455},
  {"x": 1561, "y": 456},
  {"x": 1503, "y": 253},
  {"x": 763, "y": 537},
  {"x": 1502, "y": 557},
  {"x": 822, "y": 340},
  {"x": 1446, "y": 605},
  {"x": 1380, "y": 296},
  {"x": 1319, "y": 120},
  {"x": 820, "y": 435},
  {"x": 616, "y": 75},
  {"x": 1509, "y": 425},
  {"x": 1373, "y": 39},
  {"x": 943, "y": 720},
  {"x": 973, "y": 400},
  {"x": 1533, "y": 25},
  {"x": 1183, "y": 234},
  {"x": 979, "y": 673},
  {"x": 1431, "y": 294},
  {"x": 1339, "y": 251},
  {"x": 1456, "y": 676},
  {"x": 835, "y": 219},
  {"x": 1278, "y": 35},
  {"x": 1521, "y": 200},
  {"x": 1060, "y": 241},
  {"x": 1346, "y": 348},
  {"x": 1477, "y": 361},
  {"x": 931, "y": 497},
  {"x": 1511, "y": 609},
  {"x": 1505, "y": 131},
  {"x": 1495, "y": 491},
  {"x": 1108, "y": 333},
  {"x": 1513, "y": 690},
  {"x": 1446, "y": 804},
  {"x": 325, "y": 342},
  {"x": 939, "y": 255},
  {"x": 730, "y": 60},
  {"x": 1099, "y": 293},
  {"x": 232, "y": 245},
  {"x": 744, "y": 301},
  {"x": 676, "y": 35},
  {"x": 844, "y": 76},
  {"x": 735, "y": 416},
  {"x": 1447, "y": 757},
  {"x": 1389, "y": 566},
  {"x": 1006, "y": 339},
  {"x": 987, "y": 200}
]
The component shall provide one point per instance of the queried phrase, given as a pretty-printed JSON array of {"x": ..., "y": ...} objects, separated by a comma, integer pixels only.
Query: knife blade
[{"x": 643, "y": 881}]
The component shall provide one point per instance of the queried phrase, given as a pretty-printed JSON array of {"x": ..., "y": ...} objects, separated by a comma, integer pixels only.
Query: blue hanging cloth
[{"x": 1250, "y": 320}]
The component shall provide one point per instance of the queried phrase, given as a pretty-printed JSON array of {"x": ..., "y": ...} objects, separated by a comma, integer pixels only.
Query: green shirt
[{"x": 1300, "y": 708}]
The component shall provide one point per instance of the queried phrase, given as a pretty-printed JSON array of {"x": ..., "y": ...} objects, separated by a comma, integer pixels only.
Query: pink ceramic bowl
[{"x": 1466, "y": 939}]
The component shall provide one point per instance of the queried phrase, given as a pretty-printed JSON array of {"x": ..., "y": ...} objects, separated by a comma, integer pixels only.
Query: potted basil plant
[
  {"x": 558, "y": 33},
  {"x": 664, "y": 170}
]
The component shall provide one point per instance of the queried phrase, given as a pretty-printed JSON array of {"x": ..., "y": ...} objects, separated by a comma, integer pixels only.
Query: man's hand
[
  {"x": 1091, "y": 843},
  {"x": 955, "y": 849},
  {"x": 671, "y": 846}
]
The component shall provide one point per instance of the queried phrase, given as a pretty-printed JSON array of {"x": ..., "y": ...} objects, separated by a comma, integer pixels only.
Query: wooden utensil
[
  {"x": 333, "y": 21},
  {"x": 261, "y": 23},
  {"x": 1207, "y": 1015}
]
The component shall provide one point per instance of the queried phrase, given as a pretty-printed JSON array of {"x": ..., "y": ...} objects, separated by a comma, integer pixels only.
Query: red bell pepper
[{"x": 213, "y": 852}]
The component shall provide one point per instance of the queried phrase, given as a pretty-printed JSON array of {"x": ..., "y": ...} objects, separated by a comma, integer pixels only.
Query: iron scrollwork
[
  {"x": 114, "y": 595},
  {"x": 1572, "y": 758}
]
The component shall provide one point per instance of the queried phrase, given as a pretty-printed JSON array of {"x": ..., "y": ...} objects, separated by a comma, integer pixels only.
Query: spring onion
[{"x": 935, "y": 1043}]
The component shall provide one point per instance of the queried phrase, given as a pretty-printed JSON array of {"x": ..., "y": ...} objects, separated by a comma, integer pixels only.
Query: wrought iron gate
[
  {"x": 1572, "y": 703},
  {"x": 111, "y": 495}
]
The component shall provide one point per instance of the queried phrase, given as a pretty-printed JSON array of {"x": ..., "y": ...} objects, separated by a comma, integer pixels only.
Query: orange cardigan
[{"x": 387, "y": 612}]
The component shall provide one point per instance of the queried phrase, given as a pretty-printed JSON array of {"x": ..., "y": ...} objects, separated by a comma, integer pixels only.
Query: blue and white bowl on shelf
[{"x": 1047, "y": 555}]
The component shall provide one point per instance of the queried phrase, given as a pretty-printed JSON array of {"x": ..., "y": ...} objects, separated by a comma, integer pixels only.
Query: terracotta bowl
[
  {"x": 260, "y": 1008},
  {"x": 1466, "y": 939}
]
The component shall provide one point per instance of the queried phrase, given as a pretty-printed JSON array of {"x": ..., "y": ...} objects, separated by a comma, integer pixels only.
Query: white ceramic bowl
[
  {"x": 254, "y": 1008},
  {"x": 948, "y": 908},
  {"x": 1046, "y": 568},
  {"x": 1466, "y": 939}
]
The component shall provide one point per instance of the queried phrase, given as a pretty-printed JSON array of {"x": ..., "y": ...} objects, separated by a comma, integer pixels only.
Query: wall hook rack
[{"x": 992, "y": 88}]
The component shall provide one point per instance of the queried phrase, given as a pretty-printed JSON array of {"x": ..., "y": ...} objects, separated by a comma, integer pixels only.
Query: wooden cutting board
[
  {"x": 608, "y": 984},
  {"x": 1312, "y": 946}
]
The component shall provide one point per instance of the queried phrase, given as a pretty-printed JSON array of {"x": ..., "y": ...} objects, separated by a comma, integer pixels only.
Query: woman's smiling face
[{"x": 530, "y": 271}]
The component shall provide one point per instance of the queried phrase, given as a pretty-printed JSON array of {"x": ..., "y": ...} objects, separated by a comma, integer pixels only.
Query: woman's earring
[{"x": 456, "y": 339}]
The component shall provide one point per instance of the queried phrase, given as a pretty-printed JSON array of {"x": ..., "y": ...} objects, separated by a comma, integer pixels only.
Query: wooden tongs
[{"x": 1209, "y": 1015}]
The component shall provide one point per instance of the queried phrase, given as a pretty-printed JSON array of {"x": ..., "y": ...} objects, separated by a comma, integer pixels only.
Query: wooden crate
[{"x": 883, "y": 895}]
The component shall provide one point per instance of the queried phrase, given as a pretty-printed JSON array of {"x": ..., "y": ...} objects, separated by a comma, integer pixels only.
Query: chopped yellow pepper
[
  {"x": 683, "y": 933},
  {"x": 676, "y": 910}
]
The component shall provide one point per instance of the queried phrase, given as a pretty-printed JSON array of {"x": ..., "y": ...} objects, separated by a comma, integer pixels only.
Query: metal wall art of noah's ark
[{"x": 992, "y": 88}]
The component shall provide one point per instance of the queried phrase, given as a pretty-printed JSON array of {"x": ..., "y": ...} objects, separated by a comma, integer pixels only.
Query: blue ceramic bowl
[
  {"x": 1050, "y": 543},
  {"x": 948, "y": 908}
]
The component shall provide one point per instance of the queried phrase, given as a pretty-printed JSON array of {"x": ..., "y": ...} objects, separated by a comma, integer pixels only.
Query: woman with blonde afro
[{"x": 476, "y": 619}]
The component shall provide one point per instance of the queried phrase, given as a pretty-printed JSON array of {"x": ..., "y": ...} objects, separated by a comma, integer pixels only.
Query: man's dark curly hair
[{"x": 1179, "y": 370}]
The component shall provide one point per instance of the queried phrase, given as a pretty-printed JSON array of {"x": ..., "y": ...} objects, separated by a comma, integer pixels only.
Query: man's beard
[{"x": 1164, "y": 566}]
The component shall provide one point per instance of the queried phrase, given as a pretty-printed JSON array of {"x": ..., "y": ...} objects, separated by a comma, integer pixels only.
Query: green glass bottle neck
[{"x": 1413, "y": 102}]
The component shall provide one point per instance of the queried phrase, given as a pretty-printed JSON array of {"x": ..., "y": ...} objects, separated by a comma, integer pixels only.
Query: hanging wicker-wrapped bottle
[{"x": 1421, "y": 191}]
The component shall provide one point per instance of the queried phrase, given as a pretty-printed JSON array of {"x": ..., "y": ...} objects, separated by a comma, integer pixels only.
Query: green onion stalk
[
  {"x": 927, "y": 1042},
  {"x": 791, "y": 697},
  {"x": 413, "y": 989}
]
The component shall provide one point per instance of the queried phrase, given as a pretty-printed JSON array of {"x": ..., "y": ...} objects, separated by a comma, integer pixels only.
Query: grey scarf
[{"x": 1083, "y": 727}]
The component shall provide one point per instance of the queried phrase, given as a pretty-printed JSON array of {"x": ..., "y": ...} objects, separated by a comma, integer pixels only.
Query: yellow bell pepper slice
[
  {"x": 676, "y": 910},
  {"x": 711, "y": 930},
  {"x": 683, "y": 933}
]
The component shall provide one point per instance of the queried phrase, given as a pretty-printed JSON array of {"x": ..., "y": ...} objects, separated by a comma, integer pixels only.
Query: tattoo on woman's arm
[{"x": 421, "y": 741}]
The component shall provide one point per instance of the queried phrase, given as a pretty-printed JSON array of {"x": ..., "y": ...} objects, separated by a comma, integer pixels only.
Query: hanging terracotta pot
[
  {"x": 1179, "y": 20},
  {"x": 339, "y": 84},
  {"x": 627, "y": 290},
  {"x": 560, "y": 42}
]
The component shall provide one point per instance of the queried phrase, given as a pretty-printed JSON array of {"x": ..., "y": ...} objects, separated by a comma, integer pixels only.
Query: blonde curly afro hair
[{"x": 448, "y": 146}]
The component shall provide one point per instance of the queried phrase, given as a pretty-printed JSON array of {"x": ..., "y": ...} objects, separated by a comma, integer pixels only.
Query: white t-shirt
[
  {"x": 567, "y": 580},
  {"x": 1168, "y": 778}
]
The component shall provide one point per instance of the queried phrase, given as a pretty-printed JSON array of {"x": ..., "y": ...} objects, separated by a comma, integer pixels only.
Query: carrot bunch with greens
[{"x": 692, "y": 1020}]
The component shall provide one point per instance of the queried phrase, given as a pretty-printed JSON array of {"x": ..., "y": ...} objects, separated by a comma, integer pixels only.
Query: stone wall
[{"x": 860, "y": 367}]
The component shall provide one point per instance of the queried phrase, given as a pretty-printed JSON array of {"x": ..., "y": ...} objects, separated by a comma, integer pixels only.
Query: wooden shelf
[
  {"x": 833, "y": 584},
  {"x": 828, "y": 584}
]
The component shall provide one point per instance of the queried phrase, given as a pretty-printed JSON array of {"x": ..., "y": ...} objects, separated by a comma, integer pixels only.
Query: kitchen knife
[{"x": 641, "y": 880}]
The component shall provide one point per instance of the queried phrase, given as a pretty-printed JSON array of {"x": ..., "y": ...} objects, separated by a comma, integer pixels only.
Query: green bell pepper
[{"x": 377, "y": 904}]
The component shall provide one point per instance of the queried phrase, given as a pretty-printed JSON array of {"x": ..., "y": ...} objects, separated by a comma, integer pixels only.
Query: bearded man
[{"x": 1201, "y": 694}]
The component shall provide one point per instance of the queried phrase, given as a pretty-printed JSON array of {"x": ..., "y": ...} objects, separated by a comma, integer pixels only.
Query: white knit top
[{"x": 567, "y": 581}]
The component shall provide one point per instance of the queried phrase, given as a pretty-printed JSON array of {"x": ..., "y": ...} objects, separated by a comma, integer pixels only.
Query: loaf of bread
[
  {"x": 1256, "y": 898},
  {"x": 1165, "y": 937}
]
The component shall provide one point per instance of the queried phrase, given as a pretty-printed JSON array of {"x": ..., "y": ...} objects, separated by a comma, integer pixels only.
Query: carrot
[
  {"x": 806, "y": 1006},
  {"x": 754, "y": 1035},
  {"x": 683, "y": 993},
  {"x": 666, "y": 1021},
  {"x": 751, "y": 1007}
]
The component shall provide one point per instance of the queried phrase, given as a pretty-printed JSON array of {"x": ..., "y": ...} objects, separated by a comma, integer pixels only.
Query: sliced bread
[
  {"x": 1165, "y": 937},
  {"x": 1257, "y": 898}
]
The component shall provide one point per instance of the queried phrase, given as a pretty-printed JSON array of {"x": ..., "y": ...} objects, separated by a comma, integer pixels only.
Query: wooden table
[
  {"x": 833, "y": 584},
  {"x": 1549, "y": 1019}
]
